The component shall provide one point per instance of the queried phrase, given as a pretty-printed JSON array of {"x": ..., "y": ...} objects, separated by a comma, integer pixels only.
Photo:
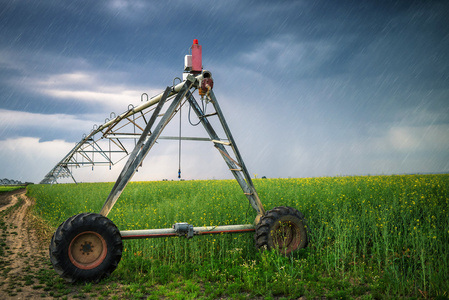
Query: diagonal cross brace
[
  {"x": 142, "y": 148},
  {"x": 242, "y": 176}
]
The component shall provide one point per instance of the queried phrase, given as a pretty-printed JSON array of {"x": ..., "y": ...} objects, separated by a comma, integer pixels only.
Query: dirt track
[
  {"x": 22, "y": 256},
  {"x": 25, "y": 268}
]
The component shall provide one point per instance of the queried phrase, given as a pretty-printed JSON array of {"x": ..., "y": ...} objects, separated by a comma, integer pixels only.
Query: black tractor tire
[
  {"x": 86, "y": 247},
  {"x": 283, "y": 229}
]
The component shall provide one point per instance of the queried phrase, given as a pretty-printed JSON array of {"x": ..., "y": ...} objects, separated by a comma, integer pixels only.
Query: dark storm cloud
[{"x": 335, "y": 86}]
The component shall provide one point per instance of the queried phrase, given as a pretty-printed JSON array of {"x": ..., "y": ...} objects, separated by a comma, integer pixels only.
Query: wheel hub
[
  {"x": 87, "y": 250},
  {"x": 286, "y": 236}
]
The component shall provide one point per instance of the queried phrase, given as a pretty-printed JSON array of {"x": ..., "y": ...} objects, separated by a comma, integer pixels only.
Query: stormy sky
[{"x": 309, "y": 88}]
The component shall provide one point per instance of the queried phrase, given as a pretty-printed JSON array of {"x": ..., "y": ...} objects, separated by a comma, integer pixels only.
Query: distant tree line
[{"x": 6, "y": 181}]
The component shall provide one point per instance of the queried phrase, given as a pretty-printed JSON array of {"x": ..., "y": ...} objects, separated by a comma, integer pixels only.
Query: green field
[
  {"x": 8, "y": 188},
  {"x": 370, "y": 236}
]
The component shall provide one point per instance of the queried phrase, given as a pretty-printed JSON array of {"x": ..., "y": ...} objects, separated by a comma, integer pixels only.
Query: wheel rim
[
  {"x": 87, "y": 250},
  {"x": 286, "y": 236}
]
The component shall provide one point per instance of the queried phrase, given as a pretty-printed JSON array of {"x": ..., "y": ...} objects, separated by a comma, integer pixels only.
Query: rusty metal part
[{"x": 87, "y": 250}]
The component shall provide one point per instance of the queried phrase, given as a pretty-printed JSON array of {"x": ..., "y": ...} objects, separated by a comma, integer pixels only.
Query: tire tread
[
  {"x": 265, "y": 224},
  {"x": 60, "y": 240}
]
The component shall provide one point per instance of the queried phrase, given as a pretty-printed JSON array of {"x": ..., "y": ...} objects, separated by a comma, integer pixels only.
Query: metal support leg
[
  {"x": 142, "y": 148},
  {"x": 254, "y": 195},
  {"x": 71, "y": 175},
  {"x": 237, "y": 168}
]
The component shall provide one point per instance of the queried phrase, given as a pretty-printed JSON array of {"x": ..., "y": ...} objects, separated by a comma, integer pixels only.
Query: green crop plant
[
  {"x": 370, "y": 236},
  {"x": 9, "y": 188}
]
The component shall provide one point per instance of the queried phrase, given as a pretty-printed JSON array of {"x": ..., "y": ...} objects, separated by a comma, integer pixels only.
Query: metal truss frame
[
  {"x": 89, "y": 152},
  {"x": 106, "y": 144}
]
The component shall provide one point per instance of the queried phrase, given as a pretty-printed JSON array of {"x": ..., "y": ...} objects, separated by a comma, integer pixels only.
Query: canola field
[{"x": 369, "y": 236}]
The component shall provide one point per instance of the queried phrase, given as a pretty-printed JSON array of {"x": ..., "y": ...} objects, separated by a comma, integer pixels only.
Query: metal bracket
[{"x": 184, "y": 229}]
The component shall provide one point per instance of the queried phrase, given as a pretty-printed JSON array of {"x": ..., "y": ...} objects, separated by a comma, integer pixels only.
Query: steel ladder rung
[
  {"x": 210, "y": 115},
  {"x": 221, "y": 142}
]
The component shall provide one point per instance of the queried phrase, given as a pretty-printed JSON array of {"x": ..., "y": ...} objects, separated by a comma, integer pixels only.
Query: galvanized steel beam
[
  {"x": 236, "y": 166},
  {"x": 143, "y": 147},
  {"x": 166, "y": 232}
]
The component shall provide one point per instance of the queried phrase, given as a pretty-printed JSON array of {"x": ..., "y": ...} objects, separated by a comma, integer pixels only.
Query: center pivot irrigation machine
[{"x": 88, "y": 246}]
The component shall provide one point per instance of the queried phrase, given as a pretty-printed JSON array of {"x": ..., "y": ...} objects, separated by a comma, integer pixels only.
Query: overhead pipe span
[
  {"x": 49, "y": 178},
  {"x": 153, "y": 100}
]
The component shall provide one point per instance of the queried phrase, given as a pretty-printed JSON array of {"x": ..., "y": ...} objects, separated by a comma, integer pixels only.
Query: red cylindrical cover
[{"x": 197, "y": 63}]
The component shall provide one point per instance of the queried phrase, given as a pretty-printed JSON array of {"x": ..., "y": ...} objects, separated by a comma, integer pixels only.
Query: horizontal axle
[{"x": 184, "y": 229}]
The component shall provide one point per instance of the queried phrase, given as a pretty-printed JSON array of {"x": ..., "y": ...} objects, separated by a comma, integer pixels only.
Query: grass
[
  {"x": 8, "y": 188},
  {"x": 377, "y": 237}
]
